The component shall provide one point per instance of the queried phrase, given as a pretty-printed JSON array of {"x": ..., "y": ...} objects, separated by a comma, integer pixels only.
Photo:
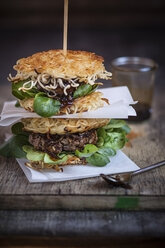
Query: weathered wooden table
[{"x": 28, "y": 210}]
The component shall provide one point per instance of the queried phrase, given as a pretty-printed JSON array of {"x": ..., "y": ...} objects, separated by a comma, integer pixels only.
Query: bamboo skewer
[{"x": 65, "y": 33}]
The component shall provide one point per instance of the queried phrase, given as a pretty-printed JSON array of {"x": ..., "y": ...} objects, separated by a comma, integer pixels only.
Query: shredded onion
[{"x": 49, "y": 83}]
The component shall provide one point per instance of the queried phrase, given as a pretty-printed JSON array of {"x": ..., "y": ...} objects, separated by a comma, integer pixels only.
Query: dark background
[{"x": 110, "y": 28}]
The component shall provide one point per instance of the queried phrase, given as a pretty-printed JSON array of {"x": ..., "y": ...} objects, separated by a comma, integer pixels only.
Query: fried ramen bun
[
  {"x": 91, "y": 102},
  {"x": 68, "y": 80},
  {"x": 75, "y": 64},
  {"x": 61, "y": 126}
]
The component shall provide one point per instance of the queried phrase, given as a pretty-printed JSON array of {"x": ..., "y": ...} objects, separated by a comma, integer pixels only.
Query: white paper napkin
[
  {"x": 119, "y": 98},
  {"x": 119, "y": 163}
]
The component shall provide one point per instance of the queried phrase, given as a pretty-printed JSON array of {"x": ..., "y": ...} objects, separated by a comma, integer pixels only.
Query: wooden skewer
[{"x": 65, "y": 34}]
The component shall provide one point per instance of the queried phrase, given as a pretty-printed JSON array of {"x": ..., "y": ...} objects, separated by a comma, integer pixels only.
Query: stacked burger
[{"x": 52, "y": 83}]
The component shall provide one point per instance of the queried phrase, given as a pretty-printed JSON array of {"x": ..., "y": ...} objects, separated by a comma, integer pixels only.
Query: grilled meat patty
[{"x": 54, "y": 144}]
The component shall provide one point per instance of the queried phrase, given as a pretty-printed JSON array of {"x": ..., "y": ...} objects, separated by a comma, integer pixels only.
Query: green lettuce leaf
[
  {"x": 107, "y": 151},
  {"x": 48, "y": 160},
  {"x": 34, "y": 155},
  {"x": 111, "y": 138},
  {"x": 21, "y": 94},
  {"x": 84, "y": 90},
  {"x": 96, "y": 156},
  {"x": 17, "y": 104},
  {"x": 115, "y": 124},
  {"x": 62, "y": 154},
  {"x": 113, "y": 135},
  {"x": 98, "y": 159},
  {"x": 17, "y": 128},
  {"x": 45, "y": 106},
  {"x": 126, "y": 129},
  {"x": 13, "y": 147},
  {"x": 115, "y": 140},
  {"x": 100, "y": 142},
  {"x": 120, "y": 125},
  {"x": 88, "y": 150},
  {"x": 101, "y": 133}
]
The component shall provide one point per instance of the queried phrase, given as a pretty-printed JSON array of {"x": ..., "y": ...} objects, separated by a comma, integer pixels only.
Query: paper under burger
[{"x": 49, "y": 84}]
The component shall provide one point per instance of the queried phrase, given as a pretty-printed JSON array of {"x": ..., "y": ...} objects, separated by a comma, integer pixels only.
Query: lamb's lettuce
[
  {"x": 48, "y": 160},
  {"x": 45, "y": 106},
  {"x": 34, "y": 155},
  {"x": 96, "y": 156},
  {"x": 13, "y": 147},
  {"x": 113, "y": 135},
  {"x": 107, "y": 151},
  {"x": 98, "y": 160},
  {"x": 88, "y": 150},
  {"x": 17, "y": 129},
  {"x": 84, "y": 90},
  {"x": 111, "y": 138},
  {"x": 126, "y": 129},
  {"x": 116, "y": 124},
  {"x": 116, "y": 140},
  {"x": 17, "y": 104},
  {"x": 20, "y": 94}
]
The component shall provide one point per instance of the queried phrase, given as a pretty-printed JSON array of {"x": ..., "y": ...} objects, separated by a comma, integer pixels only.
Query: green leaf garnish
[
  {"x": 100, "y": 141},
  {"x": 84, "y": 90},
  {"x": 126, "y": 129},
  {"x": 17, "y": 104},
  {"x": 45, "y": 106},
  {"x": 88, "y": 150},
  {"x": 116, "y": 140},
  {"x": 17, "y": 128},
  {"x": 115, "y": 124},
  {"x": 34, "y": 155},
  {"x": 98, "y": 160},
  {"x": 111, "y": 138},
  {"x": 13, "y": 147},
  {"x": 20, "y": 94},
  {"x": 48, "y": 160},
  {"x": 107, "y": 151}
]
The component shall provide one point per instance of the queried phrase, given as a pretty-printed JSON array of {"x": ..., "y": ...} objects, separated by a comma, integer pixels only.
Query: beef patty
[{"x": 54, "y": 144}]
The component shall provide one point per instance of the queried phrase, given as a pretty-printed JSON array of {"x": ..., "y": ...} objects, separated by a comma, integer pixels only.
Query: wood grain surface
[
  {"x": 148, "y": 190},
  {"x": 114, "y": 229}
]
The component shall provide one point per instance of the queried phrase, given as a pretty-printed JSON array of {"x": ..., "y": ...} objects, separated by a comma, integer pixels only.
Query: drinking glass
[{"x": 138, "y": 74}]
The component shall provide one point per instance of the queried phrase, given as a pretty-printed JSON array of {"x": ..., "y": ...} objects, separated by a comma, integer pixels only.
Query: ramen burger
[
  {"x": 52, "y": 83},
  {"x": 57, "y": 142}
]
